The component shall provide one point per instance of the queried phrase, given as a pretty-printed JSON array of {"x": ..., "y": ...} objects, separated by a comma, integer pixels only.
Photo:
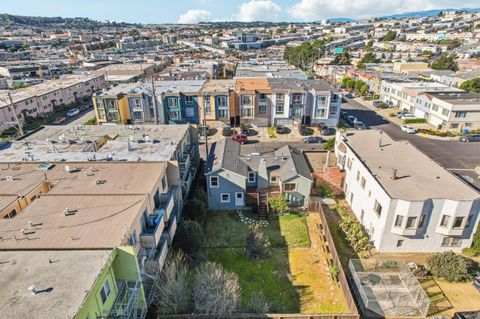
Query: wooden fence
[{"x": 342, "y": 278}]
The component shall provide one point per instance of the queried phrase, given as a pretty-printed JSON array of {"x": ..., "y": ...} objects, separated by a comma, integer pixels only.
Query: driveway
[{"x": 460, "y": 158}]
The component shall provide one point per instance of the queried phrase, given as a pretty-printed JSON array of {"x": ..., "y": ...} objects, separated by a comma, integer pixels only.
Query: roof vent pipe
[{"x": 394, "y": 174}]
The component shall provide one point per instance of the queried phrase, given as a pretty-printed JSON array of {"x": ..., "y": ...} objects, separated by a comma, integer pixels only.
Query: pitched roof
[
  {"x": 225, "y": 154},
  {"x": 295, "y": 163}
]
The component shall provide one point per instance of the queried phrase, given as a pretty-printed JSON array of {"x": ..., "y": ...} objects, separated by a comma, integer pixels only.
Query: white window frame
[
  {"x": 189, "y": 99},
  {"x": 106, "y": 289},
  {"x": 218, "y": 182},
  {"x": 285, "y": 187},
  {"x": 222, "y": 200},
  {"x": 250, "y": 174}
]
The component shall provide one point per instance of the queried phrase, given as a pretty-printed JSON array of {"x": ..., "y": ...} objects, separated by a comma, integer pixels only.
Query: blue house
[
  {"x": 236, "y": 181},
  {"x": 180, "y": 100}
]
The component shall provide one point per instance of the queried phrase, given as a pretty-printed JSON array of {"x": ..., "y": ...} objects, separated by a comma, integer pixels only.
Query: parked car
[
  {"x": 227, "y": 130},
  {"x": 343, "y": 115},
  {"x": 203, "y": 130},
  {"x": 303, "y": 130},
  {"x": 313, "y": 139},
  {"x": 349, "y": 95},
  {"x": 400, "y": 114},
  {"x": 240, "y": 138},
  {"x": 407, "y": 116},
  {"x": 85, "y": 107},
  {"x": 380, "y": 105},
  {"x": 408, "y": 129},
  {"x": 245, "y": 129},
  {"x": 73, "y": 112},
  {"x": 470, "y": 138},
  {"x": 327, "y": 131},
  {"x": 280, "y": 129},
  {"x": 359, "y": 125},
  {"x": 351, "y": 119},
  {"x": 59, "y": 120}
]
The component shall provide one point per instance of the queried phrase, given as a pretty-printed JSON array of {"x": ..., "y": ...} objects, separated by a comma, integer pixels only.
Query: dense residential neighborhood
[{"x": 274, "y": 161}]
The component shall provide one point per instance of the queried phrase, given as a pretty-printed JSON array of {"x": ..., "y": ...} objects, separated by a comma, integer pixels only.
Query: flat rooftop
[
  {"x": 457, "y": 98},
  {"x": 76, "y": 143},
  {"x": 97, "y": 222},
  {"x": 419, "y": 177},
  {"x": 62, "y": 279},
  {"x": 219, "y": 86},
  {"x": 43, "y": 88}
]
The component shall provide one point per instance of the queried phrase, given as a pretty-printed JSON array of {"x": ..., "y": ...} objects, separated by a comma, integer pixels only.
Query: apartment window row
[{"x": 457, "y": 222}]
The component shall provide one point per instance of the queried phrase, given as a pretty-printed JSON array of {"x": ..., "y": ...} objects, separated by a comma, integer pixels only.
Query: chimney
[{"x": 394, "y": 174}]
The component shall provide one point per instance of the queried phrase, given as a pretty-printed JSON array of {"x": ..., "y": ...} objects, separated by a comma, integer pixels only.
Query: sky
[{"x": 193, "y": 11}]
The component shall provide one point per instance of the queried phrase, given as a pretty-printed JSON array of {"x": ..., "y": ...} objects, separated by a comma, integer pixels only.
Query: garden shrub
[
  {"x": 278, "y": 204},
  {"x": 452, "y": 267},
  {"x": 414, "y": 121}
]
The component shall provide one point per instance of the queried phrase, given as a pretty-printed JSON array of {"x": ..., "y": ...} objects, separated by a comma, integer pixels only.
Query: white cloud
[
  {"x": 320, "y": 9},
  {"x": 195, "y": 16},
  {"x": 258, "y": 10}
]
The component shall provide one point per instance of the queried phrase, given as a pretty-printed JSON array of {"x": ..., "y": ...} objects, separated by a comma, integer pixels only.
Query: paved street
[{"x": 460, "y": 158}]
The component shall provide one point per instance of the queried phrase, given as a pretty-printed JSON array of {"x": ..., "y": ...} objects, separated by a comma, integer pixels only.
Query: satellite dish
[
  {"x": 130, "y": 138},
  {"x": 147, "y": 138}
]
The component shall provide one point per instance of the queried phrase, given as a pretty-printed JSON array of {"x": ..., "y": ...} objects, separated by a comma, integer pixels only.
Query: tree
[
  {"x": 345, "y": 81},
  {"x": 196, "y": 208},
  {"x": 350, "y": 84},
  {"x": 342, "y": 59},
  {"x": 369, "y": 46},
  {"x": 189, "y": 237},
  {"x": 216, "y": 291},
  {"x": 445, "y": 62},
  {"x": 472, "y": 85},
  {"x": 329, "y": 144},
  {"x": 367, "y": 58},
  {"x": 306, "y": 54},
  {"x": 257, "y": 246},
  {"x": 452, "y": 267},
  {"x": 364, "y": 90},
  {"x": 172, "y": 293},
  {"x": 278, "y": 204},
  {"x": 390, "y": 36},
  {"x": 358, "y": 85},
  {"x": 427, "y": 53}
]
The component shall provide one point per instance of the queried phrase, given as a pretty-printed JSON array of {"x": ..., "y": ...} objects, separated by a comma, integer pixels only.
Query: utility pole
[
  {"x": 20, "y": 126},
  {"x": 205, "y": 125},
  {"x": 154, "y": 101}
]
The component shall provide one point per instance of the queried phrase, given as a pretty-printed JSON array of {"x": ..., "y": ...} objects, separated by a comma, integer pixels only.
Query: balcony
[
  {"x": 184, "y": 165},
  {"x": 172, "y": 228},
  {"x": 165, "y": 206},
  {"x": 150, "y": 236},
  {"x": 129, "y": 303},
  {"x": 153, "y": 266}
]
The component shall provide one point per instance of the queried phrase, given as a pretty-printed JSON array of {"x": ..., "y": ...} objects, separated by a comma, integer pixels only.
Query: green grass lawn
[
  {"x": 225, "y": 237},
  {"x": 271, "y": 277},
  {"x": 225, "y": 230}
]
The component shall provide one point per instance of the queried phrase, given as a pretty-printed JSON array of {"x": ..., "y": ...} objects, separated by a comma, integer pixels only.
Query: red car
[{"x": 240, "y": 138}]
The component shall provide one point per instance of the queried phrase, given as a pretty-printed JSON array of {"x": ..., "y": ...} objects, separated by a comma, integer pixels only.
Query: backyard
[{"x": 295, "y": 279}]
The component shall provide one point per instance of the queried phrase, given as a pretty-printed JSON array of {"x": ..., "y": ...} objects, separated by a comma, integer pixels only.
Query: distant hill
[
  {"x": 427, "y": 13},
  {"x": 341, "y": 20},
  {"x": 9, "y": 19}
]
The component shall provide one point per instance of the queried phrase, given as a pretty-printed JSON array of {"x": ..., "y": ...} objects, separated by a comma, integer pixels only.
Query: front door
[{"x": 239, "y": 199}]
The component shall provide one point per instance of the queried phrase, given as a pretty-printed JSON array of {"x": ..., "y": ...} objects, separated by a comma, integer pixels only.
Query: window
[
  {"x": 262, "y": 109},
  {"x": 174, "y": 115},
  {"x": 451, "y": 242},
  {"x": 321, "y": 100},
  {"x": 251, "y": 177},
  {"x": 469, "y": 221},
  {"x": 262, "y": 97},
  {"x": 189, "y": 100},
  {"x": 358, "y": 176},
  {"x": 164, "y": 183},
  {"x": 362, "y": 214},
  {"x": 214, "y": 181},
  {"x": 400, "y": 243},
  {"x": 105, "y": 291},
  {"x": 222, "y": 101},
  {"x": 422, "y": 221},
  {"x": 280, "y": 97},
  {"x": 247, "y": 112},
  {"x": 223, "y": 114},
  {"x": 273, "y": 179},
  {"x": 434, "y": 107},
  {"x": 454, "y": 125},
  {"x": 172, "y": 103},
  {"x": 351, "y": 198},
  {"x": 458, "y": 222},
  {"x": 411, "y": 221},
  {"x": 349, "y": 163},
  {"x": 290, "y": 187},
  {"x": 280, "y": 108},
  {"x": 377, "y": 208},
  {"x": 445, "y": 220},
  {"x": 468, "y": 124},
  {"x": 333, "y": 109},
  {"x": 225, "y": 197},
  {"x": 399, "y": 221},
  {"x": 189, "y": 112},
  {"x": 280, "y": 101},
  {"x": 363, "y": 182},
  {"x": 297, "y": 99},
  {"x": 207, "y": 105},
  {"x": 460, "y": 114},
  {"x": 246, "y": 100}
]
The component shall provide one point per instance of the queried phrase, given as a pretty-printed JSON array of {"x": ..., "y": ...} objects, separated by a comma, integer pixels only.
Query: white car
[
  {"x": 408, "y": 129},
  {"x": 407, "y": 116},
  {"x": 73, "y": 112}
]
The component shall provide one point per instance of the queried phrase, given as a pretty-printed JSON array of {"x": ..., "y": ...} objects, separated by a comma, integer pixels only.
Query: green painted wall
[{"x": 122, "y": 265}]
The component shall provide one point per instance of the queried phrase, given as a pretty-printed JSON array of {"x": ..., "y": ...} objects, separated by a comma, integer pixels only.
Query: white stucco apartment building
[{"x": 405, "y": 201}]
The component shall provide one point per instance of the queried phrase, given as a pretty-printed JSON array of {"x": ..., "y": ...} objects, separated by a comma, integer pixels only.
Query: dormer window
[{"x": 251, "y": 177}]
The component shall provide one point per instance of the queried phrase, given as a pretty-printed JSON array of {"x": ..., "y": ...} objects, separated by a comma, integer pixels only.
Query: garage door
[{"x": 284, "y": 122}]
